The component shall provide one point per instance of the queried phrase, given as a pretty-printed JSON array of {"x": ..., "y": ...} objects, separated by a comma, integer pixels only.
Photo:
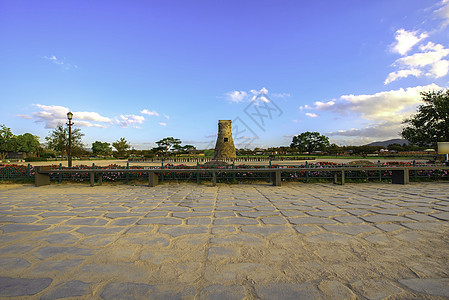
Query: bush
[{"x": 30, "y": 159}]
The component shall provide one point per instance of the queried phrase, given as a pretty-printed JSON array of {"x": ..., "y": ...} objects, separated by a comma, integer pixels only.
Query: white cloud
[
  {"x": 60, "y": 62},
  {"x": 401, "y": 74},
  {"x": 91, "y": 116},
  {"x": 431, "y": 54},
  {"x": 385, "y": 112},
  {"x": 162, "y": 124},
  {"x": 280, "y": 95},
  {"x": 51, "y": 115},
  {"x": 439, "y": 69},
  {"x": 382, "y": 106},
  {"x": 255, "y": 96},
  {"x": 89, "y": 124},
  {"x": 167, "y": 117},
  {"x": 405, "y": 40},
  {"x": 261, "y": 95},
  {"x": 312, "y": 115},
  {"x": 384, "y": 130},
  {"x": 443, "y": 12},
  {"x": 25, "y": 117},
  {"x": 129, "y": 120},
  {"x": 236, "y": 96},
  {"x": 304, "y": 107},
  {"x": 428, "y": 62},
  {"x": 150, "y": 113}
]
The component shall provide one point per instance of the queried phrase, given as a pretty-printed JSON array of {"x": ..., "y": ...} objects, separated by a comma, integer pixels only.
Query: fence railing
[
  {"x": 234, "y": 173},
  {"x": 208, "y": 159}
]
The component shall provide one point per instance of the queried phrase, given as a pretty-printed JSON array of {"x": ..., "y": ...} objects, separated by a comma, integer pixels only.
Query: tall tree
[
  {"x": 100, "y": 148},
  {"x": 310, "y": 141},
  {"x": 431, "y": 123},
  {"x": 58, "y": 140},
  {"x": 121, "y": 146},
  {"x": 28, "y": 142},
  {"x": 168, "y": 143},
  {"x": 7, "y": 141}
]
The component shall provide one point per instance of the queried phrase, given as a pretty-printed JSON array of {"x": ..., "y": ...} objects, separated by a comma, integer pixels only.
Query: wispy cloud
[
  {"x": 384, "y": 130},
  {"x": 166, "y": 116},
  {"x": 443, "y": 12},
  {"x": 162, "y": 124},
  {"x": 60, "y": 62},
  {"x": 312, "y": 115},
  {"x": 280, "y": 95},
  {"x": 253, "y": 95},
  {"x": 236, "y": 96},
  {"x": 149, "y": 112},
  {"x": 125, "y": 121}
]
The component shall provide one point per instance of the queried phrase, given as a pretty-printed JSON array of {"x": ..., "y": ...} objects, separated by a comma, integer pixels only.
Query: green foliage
[
  {"x": 431, "y": 123},
  {"x": 58, "y": 140},
  {"x": 27, "y": 143},
  {"x": 7, "y": 141},
  {"x": 100, "y": 148},
  {"x": 168, "y": 143},
  {"x": 310, "y": 142},
  {"x": 121, "y": 146}
]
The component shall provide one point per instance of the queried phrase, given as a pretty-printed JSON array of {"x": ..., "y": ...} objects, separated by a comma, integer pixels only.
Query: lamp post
[{"x": 69, "y": 152}]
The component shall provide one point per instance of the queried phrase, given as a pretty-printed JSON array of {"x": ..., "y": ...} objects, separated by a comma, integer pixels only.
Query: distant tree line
[{"x": 424, "y": 129}]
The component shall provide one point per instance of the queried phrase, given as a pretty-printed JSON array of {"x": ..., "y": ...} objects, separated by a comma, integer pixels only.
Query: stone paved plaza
[{"x": 298, "y": 241}]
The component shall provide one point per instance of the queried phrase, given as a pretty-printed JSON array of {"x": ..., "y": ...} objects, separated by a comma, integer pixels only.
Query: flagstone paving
[{"x": 186, "y": 241}]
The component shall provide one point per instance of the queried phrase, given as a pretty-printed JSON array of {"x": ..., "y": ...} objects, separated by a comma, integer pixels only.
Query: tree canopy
[
  {"x": 58, "y": 140},
  {"x": 168, "y": 143},
  {"x": 27, "y": 142},
  {"x": 431, "y": 122},
  {"x": 22, "y": 143},
  {"x": 7, "y": 141},
  {"x": 121, "y": 146},
  {"x": 101, "y": 148},
  {"x": 310, "y": 142}
]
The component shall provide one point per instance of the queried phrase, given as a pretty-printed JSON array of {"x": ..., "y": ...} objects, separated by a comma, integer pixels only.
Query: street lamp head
[{"x": 69, "y": 115}]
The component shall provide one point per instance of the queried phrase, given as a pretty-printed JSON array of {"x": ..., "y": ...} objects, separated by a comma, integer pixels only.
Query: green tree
[
  {"x": 310, "y": 141},
  {"x": 58, "y": 140},
  {"x": 7, "y": 141},
  {"x": 121, "y": 146},
  {"x": 431, "y": 122},
  {"x": 100, "y": 148},
  {"x": 168, "y": 143},
  {"x": 28, "y": 142}
]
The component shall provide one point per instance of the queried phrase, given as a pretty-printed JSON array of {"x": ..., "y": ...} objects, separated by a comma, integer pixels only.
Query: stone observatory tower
[{"x": 224, "y": 148}]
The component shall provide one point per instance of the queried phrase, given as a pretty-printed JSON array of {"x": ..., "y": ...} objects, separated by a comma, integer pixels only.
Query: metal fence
[{"x": 320, "y": 173}]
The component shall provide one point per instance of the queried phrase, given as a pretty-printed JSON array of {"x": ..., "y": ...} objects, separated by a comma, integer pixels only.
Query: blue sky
[{"x": 145, "y": 70}]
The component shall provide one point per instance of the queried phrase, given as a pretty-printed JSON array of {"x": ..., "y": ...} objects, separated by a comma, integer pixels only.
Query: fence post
[
  {"x": 60, "y": 174},
  {"x": 380, "y": 171},
  {"x": 270, "y": 177},
  {"x": 197, "y": 173},
  {"x": 127, "y": 173},
  {"x": 162, "y": 175},
  {"x": 92, "y": 176},
  {"x": 307, "y": 173},
  {"x": 416, "y": 171}
]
